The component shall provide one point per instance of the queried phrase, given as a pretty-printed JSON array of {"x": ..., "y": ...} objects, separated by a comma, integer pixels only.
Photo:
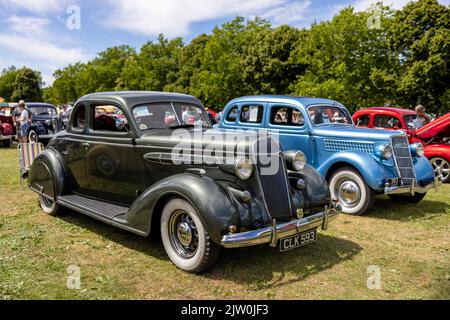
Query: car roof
[
  {"x": 132, "y": 98},
  {"x": 389, "y": 109},
  {"x": 38, "y": 104},
  {"x": 298, "y": 100}
]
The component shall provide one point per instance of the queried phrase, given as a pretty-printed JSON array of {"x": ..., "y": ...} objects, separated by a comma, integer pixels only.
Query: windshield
[
  {"x": 328, "y": 114},
  {"x": 42, "y": 111},
  {"x": 413, "y": 122},
  {"x": 169, "y": 115}
]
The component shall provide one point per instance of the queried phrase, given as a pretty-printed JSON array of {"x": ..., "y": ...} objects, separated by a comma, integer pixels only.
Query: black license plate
[{"x": 298, "y": 240}]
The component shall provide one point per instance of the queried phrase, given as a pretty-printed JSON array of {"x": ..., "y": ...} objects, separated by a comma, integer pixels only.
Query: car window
[
  {"x": 363, "y": 121},
  {"x": 232, "y": 114},
  {"x": 108, "y": 118},
  {"x": 42, "y": 110},
  {"x": 167, "y": 115},
  {"x": 251, "y": 113},
  {"x": 329, "y": 114},
  {"x": 286, "y": 116},
  {"x": 386, "y": 121},
  {"x": 79, "y": 118},
  {"x": 413, "y": 121}
]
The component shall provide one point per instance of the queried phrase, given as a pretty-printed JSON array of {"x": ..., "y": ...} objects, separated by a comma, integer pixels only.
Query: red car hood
[{"x": 439, "y": 126}]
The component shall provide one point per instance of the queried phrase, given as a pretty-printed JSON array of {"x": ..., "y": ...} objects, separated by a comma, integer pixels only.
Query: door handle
[{"x": 86, "y": 144}]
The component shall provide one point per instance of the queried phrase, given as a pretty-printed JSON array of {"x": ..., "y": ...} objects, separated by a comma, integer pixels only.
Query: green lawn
[{"x": 410, "y": 244}]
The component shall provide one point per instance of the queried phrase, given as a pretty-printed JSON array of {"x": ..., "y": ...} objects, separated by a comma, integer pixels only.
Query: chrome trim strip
[{"x": 280, "y": 231}]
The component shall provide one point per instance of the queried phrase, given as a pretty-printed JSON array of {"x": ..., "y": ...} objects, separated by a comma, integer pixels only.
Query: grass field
[{"x": 409, "y": 243}]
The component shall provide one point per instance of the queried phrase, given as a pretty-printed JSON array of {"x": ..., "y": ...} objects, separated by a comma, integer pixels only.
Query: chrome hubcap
[
  {"x": 183, "y": 234},
  {"x": 349, "y": 193},
  {"x": 441, "y": 168}
]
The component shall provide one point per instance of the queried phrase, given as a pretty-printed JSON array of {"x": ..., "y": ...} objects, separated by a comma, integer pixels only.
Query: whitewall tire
[
  {"x": 49, "y": 206},
  {"x": 185, "y": 238},
  {"x": 351, "y": 191}
]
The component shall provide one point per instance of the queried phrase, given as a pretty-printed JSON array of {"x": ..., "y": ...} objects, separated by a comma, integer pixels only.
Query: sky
[{"x": 50, "y": 34}]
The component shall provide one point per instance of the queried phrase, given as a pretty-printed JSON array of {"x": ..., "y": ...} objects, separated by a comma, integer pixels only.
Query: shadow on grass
[
  {"x": 385, "y": 208},
  {"x": 148, "y": 245},
  {"x": 253, "y": 266},
  {"x": 264, "y": 267}
]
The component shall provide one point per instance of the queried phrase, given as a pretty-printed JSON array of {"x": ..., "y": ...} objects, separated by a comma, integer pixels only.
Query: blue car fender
[{"x": 372, "y": 172}]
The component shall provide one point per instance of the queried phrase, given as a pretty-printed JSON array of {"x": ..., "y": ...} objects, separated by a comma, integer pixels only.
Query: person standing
[
  {"x": 23, "y": 122},
  {"x": 420, "y": 110}
]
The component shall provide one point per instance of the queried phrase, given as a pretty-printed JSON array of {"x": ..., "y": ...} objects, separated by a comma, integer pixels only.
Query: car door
[
  {"x": 110, "y": 154},
  {"x": 288, "y": 123},
  {"x": 73, "y": 149}
]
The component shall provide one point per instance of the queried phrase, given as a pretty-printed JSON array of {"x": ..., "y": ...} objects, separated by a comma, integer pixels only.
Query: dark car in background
[{"x": 45, "y": 122}]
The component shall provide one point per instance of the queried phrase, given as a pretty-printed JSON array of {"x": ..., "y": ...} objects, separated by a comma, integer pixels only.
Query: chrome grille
[
  {"x": 341, "y": 145},
  {"x": 403, "y": 160}
]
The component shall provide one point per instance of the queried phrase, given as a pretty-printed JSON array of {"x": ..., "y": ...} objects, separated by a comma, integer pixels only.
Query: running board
[{"x": 106, "y": 212}]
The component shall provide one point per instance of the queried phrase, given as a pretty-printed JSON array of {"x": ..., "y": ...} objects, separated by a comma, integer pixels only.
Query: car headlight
[
  {"x": 243, "y": 168},
  {"x": 384, "y": 151},
  {"x": 296, "y": 160},
  {"x": 417, "y": 149},
  {"x": 48, "y": 122}
]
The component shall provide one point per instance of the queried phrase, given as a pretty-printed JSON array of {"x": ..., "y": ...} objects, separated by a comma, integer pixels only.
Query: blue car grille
[
  {"x": 402, "y": 156},
  {"x": 341, "y": 145}
]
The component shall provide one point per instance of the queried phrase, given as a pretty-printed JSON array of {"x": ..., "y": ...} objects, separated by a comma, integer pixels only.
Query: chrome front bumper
[
  {"x": 413, "y": 188},
  {"x": 5, "y": 137},
  {"x": 279, "y": 231}
]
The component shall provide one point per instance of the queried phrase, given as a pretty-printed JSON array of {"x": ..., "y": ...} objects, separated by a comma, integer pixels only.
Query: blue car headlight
[
  {"x": 417, "y": 150},
  {"x": 383, "y": 151}
]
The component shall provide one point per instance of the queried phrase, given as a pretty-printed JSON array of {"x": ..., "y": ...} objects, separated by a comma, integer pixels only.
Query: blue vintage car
[{"x": 357, "y": 163}]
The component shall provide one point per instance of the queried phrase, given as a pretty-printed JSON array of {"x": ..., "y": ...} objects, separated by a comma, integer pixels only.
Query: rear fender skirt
[{"x": 212, "y": 202}]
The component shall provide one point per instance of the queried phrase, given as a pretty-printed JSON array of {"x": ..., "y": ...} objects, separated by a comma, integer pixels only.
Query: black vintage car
[
  {"x": 152, "y": 163},
  {"x": 45, "y": 122}
]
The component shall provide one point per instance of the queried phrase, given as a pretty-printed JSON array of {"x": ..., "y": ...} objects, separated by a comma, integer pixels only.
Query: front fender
[
  {"x": 424, "y": 171},
  {"x": 212, "y": 202},
  {"x": 316, "y": 189},
  {"x": 47, "y": 175},
  {"x": 372, "y": 171}
]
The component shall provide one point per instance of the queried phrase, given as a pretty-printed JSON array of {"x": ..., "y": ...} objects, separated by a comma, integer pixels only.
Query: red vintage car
[
  {"x": 7, "y": 129},
  {"x": 434, "y": 136}
]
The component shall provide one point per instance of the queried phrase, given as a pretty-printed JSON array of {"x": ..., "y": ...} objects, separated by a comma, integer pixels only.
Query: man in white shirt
[{"x": 24, "y": 122}]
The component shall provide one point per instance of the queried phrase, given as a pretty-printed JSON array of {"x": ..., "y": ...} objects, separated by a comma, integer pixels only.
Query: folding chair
[{"x": 27, "y": 152}]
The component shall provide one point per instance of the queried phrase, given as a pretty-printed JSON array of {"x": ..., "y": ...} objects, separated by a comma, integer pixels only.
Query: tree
[
  {"x": 269, "y": 66},
  {"x": 346, "y": 60},
  {"x": 7, "y": 78},
  {"x": 153, "y": 68},
  {"x": 419, "y": 35},
  {"x": 221, "y": 77},
  {"x": 27, "y": 85}
]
